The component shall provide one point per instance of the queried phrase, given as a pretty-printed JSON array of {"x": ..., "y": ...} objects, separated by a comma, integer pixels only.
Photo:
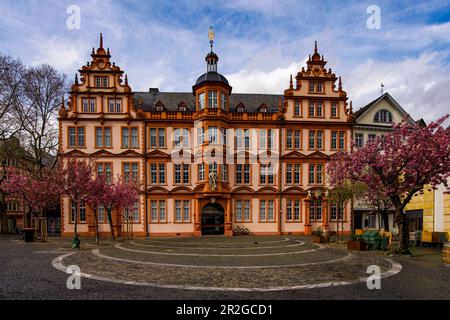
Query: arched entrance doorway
[{"x": 213, "y": 219}]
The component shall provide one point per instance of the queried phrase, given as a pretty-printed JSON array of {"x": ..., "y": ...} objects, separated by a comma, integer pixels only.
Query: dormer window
[
  {"x": 383, "y": 116},
  {"x": 263, "y": 108},
  {"x": 182, "y": 107},
  {"x": 159, "y": 106},
  {"x": 240, "y": 107},
  {"x": 101, "y": 82}
]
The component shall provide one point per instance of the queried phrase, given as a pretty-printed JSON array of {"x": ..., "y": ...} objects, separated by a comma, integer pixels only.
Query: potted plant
[{"x": 320, "y": 236}]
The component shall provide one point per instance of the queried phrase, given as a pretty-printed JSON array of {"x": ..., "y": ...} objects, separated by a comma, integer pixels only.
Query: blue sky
[{"x": 260, "y": 43}]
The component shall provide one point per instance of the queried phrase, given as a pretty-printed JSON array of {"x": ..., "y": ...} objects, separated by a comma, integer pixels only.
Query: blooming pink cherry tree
[
  {"x": 118, "y": 195},
  {"x": 39, "y": 192},
  {"x": 342, "y": 186},
  {"x": 401, "y": 163},
  {"x": 97, "y": 187},
  {"x": 77, "y": 178}
]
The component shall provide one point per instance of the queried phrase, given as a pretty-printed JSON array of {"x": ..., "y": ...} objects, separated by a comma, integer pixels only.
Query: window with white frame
[
  {"x": 181, "y": 174},
  {"x": 293, "y": 173},
  {"x": 242, "y": 173},
  {"x": 115, "y": 105},
  {"x": 201, "y": 171},
  {"x": 101, "y": 82},
  {"x": 12, "y": 206},
  {"x": 266, "y": 210},
  {"x": 133, "y": 212},
  {"x": 157, "y": 173},
  {"x": 201, "y": 101},
  {"x": 359, "y": 140},
  {"x": 80, "y": 209},
  {"x": 88, "y": 105},
  {"x": 130, "y": 137},
  {"x": 158, "y": 211},
  {"x": 334, "y": 109},
  {"x": 297, "y": 109},
  {"x": 383, "y": 116},
  {"x": 223, "y": 100},
  {"x": 212, "y": 99},
  {"x": 182, "y": 211},
  {"x": 103, "y": 137},
  {"x": 213, "y": 134},
  {"x": 181, "y": 138},
  {"x": 293, "y": 209},
  {"x": 242, "y": 211}
]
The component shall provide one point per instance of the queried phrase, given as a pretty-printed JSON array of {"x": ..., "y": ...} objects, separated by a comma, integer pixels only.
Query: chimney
[{"x": 155, "y": 91}]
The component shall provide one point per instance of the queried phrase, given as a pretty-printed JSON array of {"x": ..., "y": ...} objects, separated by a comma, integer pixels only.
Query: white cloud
[
  {"x": 63, "y": 54},
  {"x": 416, "y": 83},
  {"x": 256, "y": 81}
]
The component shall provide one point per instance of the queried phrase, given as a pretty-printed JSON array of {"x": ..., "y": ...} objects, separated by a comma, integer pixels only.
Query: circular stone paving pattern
[{"x": 227, "y": 264}]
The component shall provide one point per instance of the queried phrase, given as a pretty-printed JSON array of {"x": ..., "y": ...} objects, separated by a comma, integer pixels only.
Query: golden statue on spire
[{"x": 211, "y": 36}]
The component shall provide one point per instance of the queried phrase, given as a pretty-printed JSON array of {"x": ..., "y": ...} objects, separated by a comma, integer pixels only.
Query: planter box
[
  {"x": 357, "y": 245},
  {"x": 320, "y": 239}
]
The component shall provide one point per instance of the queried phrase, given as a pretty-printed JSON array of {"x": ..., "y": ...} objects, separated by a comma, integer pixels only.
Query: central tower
[{"x": 212, "y": 115}]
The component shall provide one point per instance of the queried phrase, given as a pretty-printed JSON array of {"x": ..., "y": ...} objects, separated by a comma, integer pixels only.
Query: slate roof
[
  {"x": 171, "y": 100},
  {"x": 212, "y": 76}
]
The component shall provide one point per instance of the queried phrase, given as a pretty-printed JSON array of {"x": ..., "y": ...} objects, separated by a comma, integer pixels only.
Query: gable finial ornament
[
  {"x": 211, "y": 35},
  {"x": 101, "y": 40},
  {"x": 291, "y": 84},
  {"x": 382, "y": 88}
]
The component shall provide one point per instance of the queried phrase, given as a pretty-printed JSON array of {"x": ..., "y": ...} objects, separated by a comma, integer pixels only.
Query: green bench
[{"x": 374, "y": 240}]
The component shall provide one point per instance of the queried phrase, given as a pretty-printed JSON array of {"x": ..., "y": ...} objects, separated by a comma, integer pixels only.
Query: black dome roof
[{"x": 212, "y": 76}]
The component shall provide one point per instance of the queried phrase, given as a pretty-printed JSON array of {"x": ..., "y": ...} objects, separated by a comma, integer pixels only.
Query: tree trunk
[
  {"x": 385, "y": 216},
  {"x": 403, "y": 241},
  {"x": 111, "y": 224},
  {"x": 76, "y": 239},
  {"x": 96, "y": 226},
  {"x": 337, "y": 225}
]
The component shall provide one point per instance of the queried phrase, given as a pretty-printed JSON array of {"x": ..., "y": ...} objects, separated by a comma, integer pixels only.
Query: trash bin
[
  {"x": 384, "y": 243},
  {"x": 28, "y": 234}
]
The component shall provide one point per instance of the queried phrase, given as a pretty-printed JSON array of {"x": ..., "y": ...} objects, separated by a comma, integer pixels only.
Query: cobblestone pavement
[{"x": 240, "y": 263}]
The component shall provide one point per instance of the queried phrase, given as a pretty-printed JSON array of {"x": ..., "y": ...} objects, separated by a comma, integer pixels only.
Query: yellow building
[{"x": 430, "y": 211}]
